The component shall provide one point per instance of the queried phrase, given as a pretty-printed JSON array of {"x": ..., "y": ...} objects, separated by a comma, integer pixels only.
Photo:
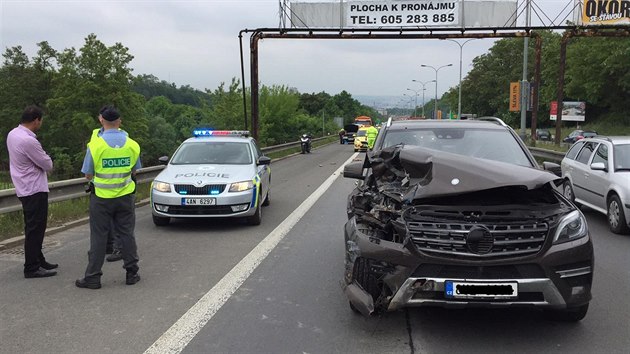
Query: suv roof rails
[{"x": 492, "y": 119}]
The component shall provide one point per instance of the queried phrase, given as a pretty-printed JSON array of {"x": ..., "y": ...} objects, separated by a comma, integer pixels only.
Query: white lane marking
[{"x": 176, "y": 338}]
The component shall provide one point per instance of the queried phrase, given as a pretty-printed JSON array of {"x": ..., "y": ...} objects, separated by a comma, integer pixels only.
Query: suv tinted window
[
  {"x": 573, "y": 151},
  {"x": 492, "y": 144},
  {"x": 585, "y": 153},
  {"x": 601, "y": 155}
]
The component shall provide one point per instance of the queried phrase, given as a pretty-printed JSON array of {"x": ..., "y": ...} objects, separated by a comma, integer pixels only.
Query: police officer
[
  {"x": 114, "y": 245},
  {"x": 371, "y": 133},
  {"x": 109, "y": 163}
]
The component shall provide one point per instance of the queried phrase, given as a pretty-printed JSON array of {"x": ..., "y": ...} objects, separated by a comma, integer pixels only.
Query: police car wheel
[
  {"x": 160, "y": 221},
  {"x": 255, "y": 219},
  {"x": 267, "y": 200}
]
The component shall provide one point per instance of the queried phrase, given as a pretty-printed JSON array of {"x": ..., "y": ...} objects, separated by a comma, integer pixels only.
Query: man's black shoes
[
  {"x": 48, "y": 266},
  {"x": 115, "y": 256},
  {"x": 132, "y": 278},
  {"x": 84, "y": 284},
  {"x": 40, "y": 273}
]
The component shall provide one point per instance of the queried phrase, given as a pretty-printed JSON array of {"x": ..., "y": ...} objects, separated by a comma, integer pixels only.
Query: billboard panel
[
  {"x": 574, "y": 111},
  {"x": 404, "y": 13},
  {"x": 441, "y": 13},
  {"x": 605, "y": 12}
]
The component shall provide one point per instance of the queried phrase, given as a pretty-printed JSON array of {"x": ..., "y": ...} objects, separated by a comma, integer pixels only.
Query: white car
[
  {"x": 596, "y": 174},
  {"x": 213, "y": 174}
]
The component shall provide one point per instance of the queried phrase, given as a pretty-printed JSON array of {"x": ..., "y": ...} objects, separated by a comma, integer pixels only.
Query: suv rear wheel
[{"x": 616, "y": 216}]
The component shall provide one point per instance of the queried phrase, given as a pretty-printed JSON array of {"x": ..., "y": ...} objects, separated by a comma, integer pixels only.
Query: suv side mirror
[
  {"x": 553, "y": 168},
  {"x": 353, "y": 170},
  {"x": 264, "y": 160},
  {"x": 163, "y": 160}
]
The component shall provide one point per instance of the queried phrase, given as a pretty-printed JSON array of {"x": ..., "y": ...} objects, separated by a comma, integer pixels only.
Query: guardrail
[
  {"x": 75, "y": 188},
  {"x": 553, "y": 156}
]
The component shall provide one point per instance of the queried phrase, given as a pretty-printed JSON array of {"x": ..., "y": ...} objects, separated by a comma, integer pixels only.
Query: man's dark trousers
[
  {"x": 35, "y": 209},
  {"x": 106, "y": 213}
]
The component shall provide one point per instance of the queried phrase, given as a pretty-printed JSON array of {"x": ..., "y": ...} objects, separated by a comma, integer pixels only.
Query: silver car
[
  {"x": 596, "y": 174},
  {"x": 214, "y": 174}
]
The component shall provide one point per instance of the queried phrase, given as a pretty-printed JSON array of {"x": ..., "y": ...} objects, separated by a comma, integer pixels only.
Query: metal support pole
[
  {"x": 537, "y": 86},
  {"x": 523, "y": 94},
  {"x": 254, "y": 81},
  {"x": 560, "y": 97}
]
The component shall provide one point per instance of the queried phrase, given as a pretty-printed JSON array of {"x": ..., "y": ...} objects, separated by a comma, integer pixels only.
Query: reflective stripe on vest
[{"x": 112, "y": 167}]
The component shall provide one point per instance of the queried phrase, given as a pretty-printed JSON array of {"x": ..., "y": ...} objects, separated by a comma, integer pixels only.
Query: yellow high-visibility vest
[{"x": 112, "y": 167}]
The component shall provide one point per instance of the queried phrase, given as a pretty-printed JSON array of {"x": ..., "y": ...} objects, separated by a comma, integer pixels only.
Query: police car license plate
[
  {"x": 466, "y": 290},
  {"x": 199, "y": 201}
]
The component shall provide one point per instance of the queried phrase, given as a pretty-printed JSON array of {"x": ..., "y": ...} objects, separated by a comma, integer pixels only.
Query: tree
[{"x": 87, "y": 80}]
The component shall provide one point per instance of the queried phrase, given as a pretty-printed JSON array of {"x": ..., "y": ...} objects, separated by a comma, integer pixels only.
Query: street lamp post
[
  {"x": 423, "y": 89},
  {"x": 461, "y": 49},
  {"x": 436, "y": 84},
  {"x": 416, "y": 106},
  {"x": 409, "y": 99}
]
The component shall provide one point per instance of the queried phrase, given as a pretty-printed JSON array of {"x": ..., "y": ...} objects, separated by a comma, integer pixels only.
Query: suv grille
[
  {"x": 210, "y": 189},
  {"x": 477, "y": 240}
]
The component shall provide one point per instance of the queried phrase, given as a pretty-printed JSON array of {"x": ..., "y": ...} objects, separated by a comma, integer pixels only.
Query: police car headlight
[
  {"x": 571, "y": 227},
  {"x": 241, "y": 186},
  {"x": 162, "y": 186}
]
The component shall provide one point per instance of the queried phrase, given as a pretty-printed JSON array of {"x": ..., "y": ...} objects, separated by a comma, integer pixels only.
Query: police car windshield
[
  {"x": 361, "y": 132},
  {"x": 491, "y": 144},
  {"x": 213, "y": 152}
]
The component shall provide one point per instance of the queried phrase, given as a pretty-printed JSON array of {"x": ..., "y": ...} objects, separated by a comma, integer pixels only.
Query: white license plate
[
  {"x": 469, "y": 290},
  {"x": 199, "y": 201}
]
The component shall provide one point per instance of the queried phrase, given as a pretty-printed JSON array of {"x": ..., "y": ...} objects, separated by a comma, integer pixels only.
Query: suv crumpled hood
[{"x": 431, "y": 173}]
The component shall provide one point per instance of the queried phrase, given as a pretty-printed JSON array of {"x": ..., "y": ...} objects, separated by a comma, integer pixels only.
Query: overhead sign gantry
[{"x": 436, "y": 19}]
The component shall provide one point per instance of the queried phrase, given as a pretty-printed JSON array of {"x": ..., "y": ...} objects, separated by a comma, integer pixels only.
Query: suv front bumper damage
[{"x": 414, "y": 279}]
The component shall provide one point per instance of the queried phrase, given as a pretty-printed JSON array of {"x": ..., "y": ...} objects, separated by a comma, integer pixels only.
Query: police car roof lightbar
[{"x": 210, "y": 132}]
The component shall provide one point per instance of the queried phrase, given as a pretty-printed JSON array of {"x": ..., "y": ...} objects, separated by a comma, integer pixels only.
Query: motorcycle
[{"x": 305, "y": 143}]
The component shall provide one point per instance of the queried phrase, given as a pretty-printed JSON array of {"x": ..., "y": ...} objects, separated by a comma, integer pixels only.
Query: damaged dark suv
[{"x": 458, "y": 214}]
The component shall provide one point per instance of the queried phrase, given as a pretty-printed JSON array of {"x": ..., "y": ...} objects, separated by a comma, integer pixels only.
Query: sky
[{"x": 195, "y": 42}]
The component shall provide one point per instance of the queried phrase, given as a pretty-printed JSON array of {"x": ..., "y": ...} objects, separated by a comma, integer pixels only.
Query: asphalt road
[{"x": 292, "y": 302}]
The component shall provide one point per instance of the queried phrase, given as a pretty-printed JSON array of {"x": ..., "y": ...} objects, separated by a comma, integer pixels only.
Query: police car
[{"x": 213, "y": 174}]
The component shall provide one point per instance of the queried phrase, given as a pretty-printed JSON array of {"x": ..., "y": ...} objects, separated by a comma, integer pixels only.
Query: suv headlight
[
  {"x": 162, "y": 186},
  {"x": 241, "y": 186},
  {"x": 571, "y": 227}
]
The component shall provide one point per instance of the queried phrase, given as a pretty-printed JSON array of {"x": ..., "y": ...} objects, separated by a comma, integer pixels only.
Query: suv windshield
[
  {"x": 492, "y": 144},
  {"x": 214, "y": 152}
]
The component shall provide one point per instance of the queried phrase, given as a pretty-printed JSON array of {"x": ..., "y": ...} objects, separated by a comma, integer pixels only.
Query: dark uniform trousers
[
  {"x": 119, "y": 214},
  {"x": 35, "y": 210}
]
